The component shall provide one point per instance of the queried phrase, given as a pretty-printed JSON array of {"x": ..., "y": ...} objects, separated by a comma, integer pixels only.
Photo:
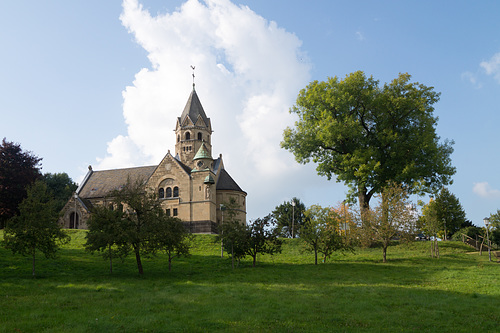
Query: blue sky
[{"x": 101, "y": 82}]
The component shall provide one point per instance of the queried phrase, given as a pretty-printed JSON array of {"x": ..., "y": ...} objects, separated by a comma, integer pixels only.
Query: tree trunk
[
  {"x": 232, "y": 255},
  {"x": 384, "y": 253},
  {"x": 138, "y": 259},
  {"x": 254, "y": 259},
  {"x": 110, "y": 260},
  {"x": 169, "y": 262},
  {"x": 33, "y": 268},
  {"x": 364, "y": 200},
  {"x": 315, "y": 256}
]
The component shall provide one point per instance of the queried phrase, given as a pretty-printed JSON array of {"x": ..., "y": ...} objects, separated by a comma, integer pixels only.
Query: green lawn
[{"x": 285, "y": 293}]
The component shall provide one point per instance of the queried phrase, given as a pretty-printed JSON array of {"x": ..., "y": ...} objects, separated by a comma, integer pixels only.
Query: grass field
[{"x": 460, "y": 292}]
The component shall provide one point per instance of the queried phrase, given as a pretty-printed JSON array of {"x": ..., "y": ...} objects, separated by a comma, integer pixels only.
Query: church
[{"x": 190, "y": 185}]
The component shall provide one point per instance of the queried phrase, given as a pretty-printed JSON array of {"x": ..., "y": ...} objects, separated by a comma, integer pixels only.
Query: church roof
[
  {"x": 225, "y": 182},
  {"x": 193, "y": 110},
  {"x": 202, "y": 153},
  {"x": 100, "y": 184}
]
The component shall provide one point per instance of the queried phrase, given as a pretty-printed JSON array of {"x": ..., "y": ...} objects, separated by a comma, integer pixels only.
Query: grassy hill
[{"x": 459, "y": 292}]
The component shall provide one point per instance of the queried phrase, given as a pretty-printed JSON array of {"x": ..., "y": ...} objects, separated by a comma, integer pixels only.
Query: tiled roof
[
  {"x": 225, "y": 182},
  {"x": 193, "y": 109},
  {"x": 102, "y": 183}
]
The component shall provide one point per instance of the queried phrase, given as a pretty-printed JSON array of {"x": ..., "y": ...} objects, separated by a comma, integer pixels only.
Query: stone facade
[{"x": 190, "y": 185}]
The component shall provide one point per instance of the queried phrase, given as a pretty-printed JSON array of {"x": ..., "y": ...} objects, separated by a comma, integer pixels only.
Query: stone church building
[{"x": 191, "y": 185}]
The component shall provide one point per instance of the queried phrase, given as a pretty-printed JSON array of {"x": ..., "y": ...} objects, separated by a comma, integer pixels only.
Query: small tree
[
  {"x": 289, "y": 217},
  {"x": 107, "y": 234},
  {"x": 393, "y": 217},
  {"x": 263, "y": 237},
  {"x": 431, "y": 225},
  {"x": 143, "y": 209},
  {"x": 232, "y": 233},
  {"x": 169, "y": 235},
  {"x": 321, "y": 232},
  {"x": 35, "y": 228}
]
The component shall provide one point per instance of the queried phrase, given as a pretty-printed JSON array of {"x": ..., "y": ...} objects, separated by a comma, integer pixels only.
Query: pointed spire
[{"x": 193, "y": 110}]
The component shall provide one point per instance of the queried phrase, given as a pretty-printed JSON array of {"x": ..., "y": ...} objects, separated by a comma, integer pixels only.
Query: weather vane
[{"x": 193, "y": 67}]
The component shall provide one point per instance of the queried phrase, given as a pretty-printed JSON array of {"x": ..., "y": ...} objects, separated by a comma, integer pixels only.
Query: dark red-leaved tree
[{"x": 18, "y": 169}]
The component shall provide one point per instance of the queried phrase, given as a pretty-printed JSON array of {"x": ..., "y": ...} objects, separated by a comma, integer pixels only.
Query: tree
[
  {"x": 18, "y": 169},
  {"x": 262, "y": 238},
  {"x": 393, "y": 217},
  {"x": 321, "y": 232},
  {"x": 143, "y": 209},
  {"x": 450, "y": 212},
  {"x": 61, "y": 186},
  {"x": 431, "y": 224},
  {"x": 107, "y": 234},
  {"x": 169, "y": 235},
  {"x": 232, "y": 233},
  {"x": 35, "y": 228},
  {"x": 368, "y": 136},
  {"x": 289, "y": 218},
  {"x": 495, "y": 227}
]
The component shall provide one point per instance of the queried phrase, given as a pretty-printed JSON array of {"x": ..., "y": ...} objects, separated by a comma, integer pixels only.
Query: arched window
[
  {"x": 169, "y": 192},
  {"x": 199, "y": 136},
  {"x": 188, "y": 136},
  {"x": 161, "y": 193},
  {"x": 176, "y": 192}
]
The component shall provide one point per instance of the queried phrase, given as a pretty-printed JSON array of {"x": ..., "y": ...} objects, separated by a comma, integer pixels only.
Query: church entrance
[{"x": 73, "y": 221}]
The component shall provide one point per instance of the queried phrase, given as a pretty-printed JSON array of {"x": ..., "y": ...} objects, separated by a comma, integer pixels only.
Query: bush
[{"x": 469, "y": 231}]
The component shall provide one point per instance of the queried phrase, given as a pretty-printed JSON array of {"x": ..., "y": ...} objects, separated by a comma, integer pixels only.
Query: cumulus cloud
[
  {"x": 248, "y": 74},
  {"x": 483, "y": 189},
  {"x": 492, "y": 66}
]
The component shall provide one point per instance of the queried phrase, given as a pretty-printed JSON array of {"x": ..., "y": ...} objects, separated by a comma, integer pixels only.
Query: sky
[{"x": 101, "y": 83}]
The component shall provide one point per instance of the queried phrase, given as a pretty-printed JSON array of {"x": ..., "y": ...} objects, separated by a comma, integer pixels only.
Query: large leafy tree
[
  {"x": 61, "y": 186},
  {"x": 289, "y": 218},
  {"x": 18, "y": 169},
  {"x": 36, "y": 227},
  {"x": 366, "y": 135}
]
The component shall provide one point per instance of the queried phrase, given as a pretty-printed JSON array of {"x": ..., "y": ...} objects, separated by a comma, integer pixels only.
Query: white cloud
[
  {"x": 472, "y": 79},
  {"x": 484, "y": 190},
  {"x": 360, "y": 36},
  {"x": 492, "y": 66},
  {"x": 248, "y": 73}
]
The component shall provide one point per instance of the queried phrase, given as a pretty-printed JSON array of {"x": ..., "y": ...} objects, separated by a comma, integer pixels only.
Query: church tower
[{"x": 193, "y": 130}]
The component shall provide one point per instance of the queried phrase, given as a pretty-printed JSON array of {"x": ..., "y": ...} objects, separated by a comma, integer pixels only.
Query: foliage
[
  {"x": 262, "y": 237},
  {"x": 430, "y": 224},
  {"x": 147, "y": 228},
  {"x": 289, "y": 218},
  {"x": 495, "y": 227},
  {"x": 35, "y": 228},
  {"x": 367, "y": 135},
  {"x": 450, "y": 212},
  {"x": 169, "y": 235},
  {"x": 394, "y": 217},
  {"x": 321, "y": 232},
  {"x": 18, "y": 169},
  {"x": 61, "y": 186},
  {"x": 232, "y": 233},
  {"x": 469, "y": 231},
  {"x": 107, "y": 233}
]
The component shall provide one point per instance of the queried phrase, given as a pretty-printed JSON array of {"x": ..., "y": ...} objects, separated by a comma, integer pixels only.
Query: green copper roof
[
  {"x": 202, "y": 154},
  {"x": 209, "y": 179}
]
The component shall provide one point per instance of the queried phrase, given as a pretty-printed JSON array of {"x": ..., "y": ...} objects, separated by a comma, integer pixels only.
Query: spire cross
[{"x": 193, "y": 67}]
